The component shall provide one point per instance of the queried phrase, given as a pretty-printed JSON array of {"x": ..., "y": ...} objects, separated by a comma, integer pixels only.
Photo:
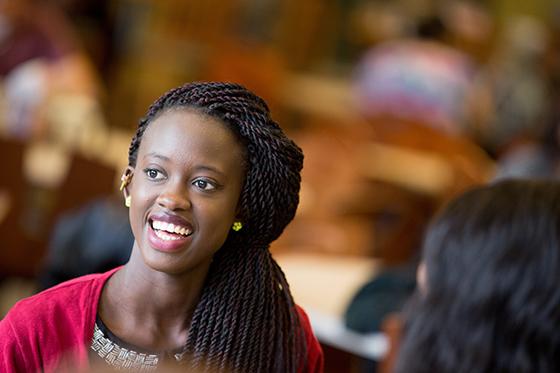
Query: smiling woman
[{"x": 201, "y": 289}]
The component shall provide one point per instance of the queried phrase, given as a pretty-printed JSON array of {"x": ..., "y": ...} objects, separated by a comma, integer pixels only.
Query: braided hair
[{"x": 246, "y": 319}]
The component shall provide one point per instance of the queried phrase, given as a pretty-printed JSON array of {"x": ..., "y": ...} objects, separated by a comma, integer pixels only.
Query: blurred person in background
[
  {"x": 45, "y": 76},
  {"x": 211, "y": 181},
  {"x": 408, "y": 95},
  {"x": 471, "y": 27},
  {"x": 419, "y": 78},
  {"x": 424, "y": 73},
  {"x": 512, "y": 101},
  {"x": 523, "y": 127},
  {"x": 414, "y": 94},
  {"x": 50, "y": 107},
  {"x": 488, "y": 298},
  {"x": 94, "y": 238},
  {"x": 552, "y": 68}
]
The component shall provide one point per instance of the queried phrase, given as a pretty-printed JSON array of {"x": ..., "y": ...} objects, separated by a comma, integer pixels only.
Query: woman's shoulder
[
  {"x": 314, "y": 356},
  {"x": 38, "y": 329},
  {"x": 69, "y": 298}
]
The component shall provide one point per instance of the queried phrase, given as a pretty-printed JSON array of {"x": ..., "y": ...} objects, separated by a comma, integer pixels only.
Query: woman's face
[{"x": 184, "y": 190}]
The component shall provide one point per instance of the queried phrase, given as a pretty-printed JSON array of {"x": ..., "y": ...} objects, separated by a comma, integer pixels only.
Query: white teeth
[
  {"x": 166, "y": 236},
  {"x": 169, "y": 227}
]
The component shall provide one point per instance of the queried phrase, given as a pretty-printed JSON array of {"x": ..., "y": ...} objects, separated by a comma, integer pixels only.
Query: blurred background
[{"x": 398, "y": 105}]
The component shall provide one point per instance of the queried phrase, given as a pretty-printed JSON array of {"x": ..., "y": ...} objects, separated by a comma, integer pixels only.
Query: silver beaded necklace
[{"x": 120, "y": 358}]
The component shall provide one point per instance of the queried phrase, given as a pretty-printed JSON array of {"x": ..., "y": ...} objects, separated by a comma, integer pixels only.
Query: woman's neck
[{"x": 148, "y": 308}]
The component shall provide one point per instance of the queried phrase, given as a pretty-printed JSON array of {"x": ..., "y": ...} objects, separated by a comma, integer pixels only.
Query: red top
[{"x": 52, "y": 331}]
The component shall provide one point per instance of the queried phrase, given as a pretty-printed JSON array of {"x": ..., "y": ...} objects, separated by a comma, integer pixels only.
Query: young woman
[
  {"x": 489, "y": 294},
  {"x": 212, "y": 180}
]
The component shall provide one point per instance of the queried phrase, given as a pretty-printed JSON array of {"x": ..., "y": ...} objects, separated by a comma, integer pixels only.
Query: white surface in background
[
  {"x": 323, "y": 285},
  {"x": 331, "y": 331}
]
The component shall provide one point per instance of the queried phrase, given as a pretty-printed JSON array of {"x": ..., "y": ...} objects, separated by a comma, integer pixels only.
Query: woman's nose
[{"x": 174, "y": 198}]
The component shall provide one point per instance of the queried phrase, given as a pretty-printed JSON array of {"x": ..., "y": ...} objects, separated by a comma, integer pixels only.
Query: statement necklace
[{"x": 120, "y": 358}]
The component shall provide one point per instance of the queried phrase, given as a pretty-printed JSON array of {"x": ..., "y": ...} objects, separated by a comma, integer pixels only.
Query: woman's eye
[
  {"x": 204, "y": 184},
  {"x": 153, "y": 173}
]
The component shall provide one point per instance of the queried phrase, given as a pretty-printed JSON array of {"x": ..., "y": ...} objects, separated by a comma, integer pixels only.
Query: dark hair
[
  {"x": 431, "y": 28},
  {"x": 492, "y": 297},
  {"x": 246, "y": 319}
]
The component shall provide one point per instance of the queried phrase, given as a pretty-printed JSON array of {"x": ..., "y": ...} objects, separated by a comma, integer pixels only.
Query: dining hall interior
[{"x": 399, "y": 106}]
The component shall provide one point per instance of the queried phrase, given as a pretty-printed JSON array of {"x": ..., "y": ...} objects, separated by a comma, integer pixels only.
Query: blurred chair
[
  {"x": 456, "y": 161},
  {"x": 34, "y": 208},
  {"x": 369, "y": 188},
  {"x": 84, "y": 209},
  {"x": 12, "y": 181},
  {"x": 411, "y": 172},
  {"x": 11, "y": 152},
  {"x": 86, "y": 180},
  {"x": 14, "y": 250}
]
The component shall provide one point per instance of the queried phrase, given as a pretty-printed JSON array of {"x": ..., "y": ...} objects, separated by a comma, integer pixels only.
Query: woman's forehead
[{"x": 184, "y": 133}]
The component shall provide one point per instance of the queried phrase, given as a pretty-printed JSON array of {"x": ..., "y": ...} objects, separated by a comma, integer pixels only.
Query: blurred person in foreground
[
  {"x": 211, "y": 181},
  {"x": 488, "y": 297}
]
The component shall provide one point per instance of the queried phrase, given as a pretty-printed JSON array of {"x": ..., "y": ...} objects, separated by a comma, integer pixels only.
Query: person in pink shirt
[{"x": 211, "y": 181}]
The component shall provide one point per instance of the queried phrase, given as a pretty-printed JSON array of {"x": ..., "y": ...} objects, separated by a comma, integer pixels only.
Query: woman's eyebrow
[
  {"x": 156, "y": 155},
  {"x": 209, "y": 168}
]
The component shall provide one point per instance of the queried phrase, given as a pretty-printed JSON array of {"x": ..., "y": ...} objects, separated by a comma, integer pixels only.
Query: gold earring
[
  {"x": 127, "y": 201},
  {"x": 237, "y": 225},
  {"x": 125, "y": 180}
]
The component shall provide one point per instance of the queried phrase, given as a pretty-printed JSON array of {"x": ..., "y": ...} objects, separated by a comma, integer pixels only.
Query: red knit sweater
[{"x": 52, "y": 331}]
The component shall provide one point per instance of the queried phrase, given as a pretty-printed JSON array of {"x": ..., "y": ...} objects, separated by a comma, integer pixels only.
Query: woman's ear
[{"x": 421, "y": 277}]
